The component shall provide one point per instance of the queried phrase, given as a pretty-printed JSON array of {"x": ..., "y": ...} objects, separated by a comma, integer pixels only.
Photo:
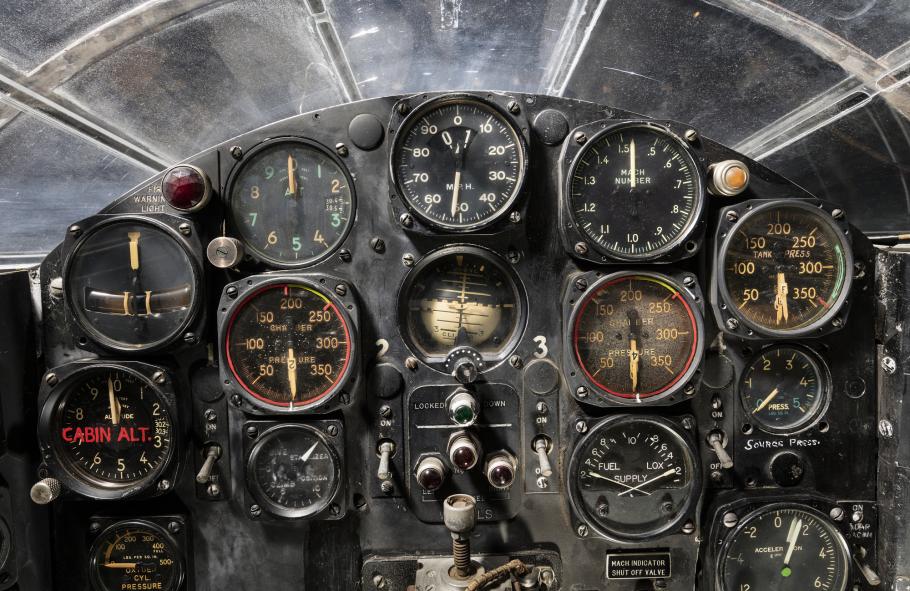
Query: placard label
[{"x": 646, "y": 565}]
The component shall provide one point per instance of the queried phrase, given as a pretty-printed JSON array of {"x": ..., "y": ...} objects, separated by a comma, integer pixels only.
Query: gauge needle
[
  {"x": 292, "y": 372},
  {"x": 651, "y": 481},
  {"x": 120, "y": 565},
  {"x": 793, "y": 534},
  {"x": 767, "y": 400},
  {"x": 306, "y": 455},
  {"x": 115, "y": 406},
  {"x": 292, "y": 182},
  {"x": 780, "y": 298},
  {"x": 614, "y": 481},
  {"x": 634, "y": 358},
  {"x": 134, "y": 250},
  {"x": 455, "y": 191},
  {"x": 632, "y": 163}
]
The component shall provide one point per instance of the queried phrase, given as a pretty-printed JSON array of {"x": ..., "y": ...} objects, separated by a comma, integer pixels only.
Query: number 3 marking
[{"x": 542, "y": 349}]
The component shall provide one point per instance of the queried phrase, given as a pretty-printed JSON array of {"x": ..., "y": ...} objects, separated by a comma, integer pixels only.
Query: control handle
[
  {"x": 716, "y": 440},
  {"x": 542, "y": 447},
  {"x": 386, "y": 449},
  {"x": 211, "y": 452}
]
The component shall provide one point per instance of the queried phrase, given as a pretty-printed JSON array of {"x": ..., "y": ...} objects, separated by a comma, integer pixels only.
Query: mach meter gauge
[
  {"x": 633, "y": 477},
  {"x": 288, "y": 344},
  {"x": 136, "y": 554},
  {"x": 635, "y": 338},
  {"x": 784, "y": 269},
  {"x": 458, "y": 163},
  {"x": 109, "y": 429}
]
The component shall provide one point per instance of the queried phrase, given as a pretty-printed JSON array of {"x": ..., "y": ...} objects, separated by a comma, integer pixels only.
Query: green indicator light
[
  {"x": 786, "y": 572},
  {"x": 463, "y": 414}
]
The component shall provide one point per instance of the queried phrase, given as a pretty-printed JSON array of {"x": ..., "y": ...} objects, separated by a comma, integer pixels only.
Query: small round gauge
[
  {"x": 785, "y": 268},
  {"x": 131, "y": 284},
  {"x": 458, "y": 163},
  {"x": 462, "y": 296},
  {"x": 784, "y": 389},
  {"x": 635, "y": 191},
  {"x": 110, "y": 428},
  {"x": 293, "y": 471},
  {"x": 633, "y": 477},
  {"x": 289, "y": 346},
  {"x": 637, "y": 336},
  {"x": 135, "y": 555},
  {"x": 292, "y": 203},
  {"x": 784, "y": 547}
]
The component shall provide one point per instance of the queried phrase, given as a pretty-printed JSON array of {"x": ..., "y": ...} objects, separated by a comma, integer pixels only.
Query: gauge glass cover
[
  {"x": 112, "y": 428},
  {"x": 635, "y": 192},
  {"x": 459, "y": 163},
  {"x": 130, "y": 554},
  {"x": 632, "y": 477},
  {"x": 784, "y": 389},
  {"x": 292, "y": 203},
  {"x": 131, "y": 285},
  {"x": 289, "y": 346},
  {"x": 294, "y": 471},
  {"x": 462, "y": 296},
  {"x": 786, "y": 548},
  {"x": 785, "y": 268},
  {"x": 636, "y": 336}
]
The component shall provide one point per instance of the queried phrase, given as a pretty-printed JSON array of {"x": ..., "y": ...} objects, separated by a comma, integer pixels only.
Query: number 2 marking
[{"x": 383, "y": 348}]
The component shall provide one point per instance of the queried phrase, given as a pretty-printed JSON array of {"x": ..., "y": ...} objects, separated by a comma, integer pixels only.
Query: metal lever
[
  {"x": 542, "y": 446},
  {"x": 716, "y": 441},
  {"x": 212, "y": 453},
  {"x": 386, "y": 449},
  {"x": 870, "y": 575}
]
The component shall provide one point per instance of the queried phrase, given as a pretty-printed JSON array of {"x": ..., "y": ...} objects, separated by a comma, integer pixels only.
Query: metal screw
[
  {"x": 377, "y": 244},
  {"x": 379, "y": 582},
  {"x": 732, "y": 216},
  {"x": 235, "y": 400},
  {"x": 516, "y": 361},
  {"x": 51, "y": 379},
  {"x": 332, "y": 430},
  {"x": 885, "y": 429},
  {"x": 164, "y": 484},
  {"x": 716, "y": 476},
  {"x": 334, "y": 509},
  {"x": 581, "y": 426},
  {"x": 406, "y": 220},
  {"x": 255, "y": 510},
  {"x": 691, "y": 136},
  {"x": 581, "y": 392},
  {"x": 236, "y": 152},
  {"x": 732, "y": 323},
  {"x": 411, "y": 363},
  {"x": 581, "y": 284},
  {"x": 514, "y": 108},
  {"x": 543, "y": 482},
  {"x": 689, "y": 390},
  {"x": 231, "y": 291},
  {"x": 341, "y": 289},
  {"x": 837, "y": 322},
  {"x": 341, "y": 149},
  {"x": 514, "y": 217},
  {"x": 93, "y": 527},
  {"x": 889, "y": 365},
  {"x": 404, "y": 108},
  {"x": 688, "y": 528},
  {"x": 213, "y": 490},
  {"x": 190, "y": 338},
  {"x": 580, "y": 137},
  {"x": 408, "y": 259},
  {"x": 173, "y": 527},
  {"x": 385, "y": 411},
  {"x": 837, "y": 214},
  {"x": 837, "y": 514},
  {"x": 542, "y": 407},
  {"x": 581, "y": 248},
  {"x": 688, "y": 423},
  {"x": 345, "y": 255},
  {"x": 582, "y": 530},
  {"x": 158, "y": 377},
  {"x": 75, "y": 230},
  {"x": 689, "y": 281},
  {"x": 185, "y": 229},
  {"x": 513, "y": 255},
  {"x": 731, "y": 519},
  {"x": 252, "y": 431},
  {"x": 386, "y": 487},
  {"x": 210, "y": 415}
]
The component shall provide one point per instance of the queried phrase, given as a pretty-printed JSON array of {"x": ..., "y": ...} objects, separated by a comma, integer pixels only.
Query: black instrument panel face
[{"x": 541, "y": 303}]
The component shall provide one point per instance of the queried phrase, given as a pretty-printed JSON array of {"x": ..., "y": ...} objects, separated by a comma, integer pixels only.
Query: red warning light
[{"x": 185, "y": 188}]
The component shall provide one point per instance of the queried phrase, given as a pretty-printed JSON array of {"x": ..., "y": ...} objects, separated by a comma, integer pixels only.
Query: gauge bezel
[
  {"x": 824, "y": 378},
  {"x": 685, "y": 245},
  {"x": 588, "y": 392},
  {"x": 234, "y": 298},
  {"x": 58, "y": 383},
  {"x": 425, "y": 103},
  {"x": 688, "y": 510},
  {"x": 161, "y": 532},
  {"x": 240, "y": 167},
  {"x": 725, "y": 309},
  {"x": 839, "y": 540},
  {"x": 437, "y": 362},
  {"x": 322, "y": 431},
  {"x": 165, "y": 223}
]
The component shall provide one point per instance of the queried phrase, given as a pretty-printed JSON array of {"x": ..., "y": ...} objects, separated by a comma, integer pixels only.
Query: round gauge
[
  {"x": 633, "y": 477},
  {"x": 637, "y": 336},
  {"x": 135, "y": 555},
  {"x": 462, "y": 296},
  {"x": 635, "y": 191},
  {"x": 110, "y": 428},
  {"x": 784, "y": 547},
  {"x": 785, "y": 268},
  {"x": 293, "y": 471},
  {"x": 784, "y": 389},
  {"x": 289, "y": 346},
  {"x": 458, "y": 163},
  {"x": 292, "y": 203},
  {"x": 131, "y": 284}
]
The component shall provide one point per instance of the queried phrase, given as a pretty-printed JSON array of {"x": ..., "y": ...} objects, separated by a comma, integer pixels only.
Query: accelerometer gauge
[
  {"x": 291, "y": 202},
  {"x": 636, "y": 337},
  {"x": 635, "y": 191},
  {"x": 458, "y": 163},
  {"x": 131, "y": 284},
  {"x": 784, "y": 547},
  {"x": 135, "y": 555},
  {"x": 633, "y": 477},
  {"x": 293, "y": 472},
  {"x": 784, "y": 389},
  {"x": 288, "y": 345},
  {"x": 110, "y": 429},
  {"x": 461, "y": 296},
  {"x": 785, "y": 268}
]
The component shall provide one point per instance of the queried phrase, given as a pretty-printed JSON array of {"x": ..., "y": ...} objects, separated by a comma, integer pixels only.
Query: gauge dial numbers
[
  {"x": 785, "y": 268},
  {"x": 784, "y": 389},
  {"x": 289, "y": 346},
  {"x": 635, "y": 192},
  {"x": 135, "y": 555},
  {"x": 131, "y": 284},
  {"x": 633, "y": 477},
  {"x": 293, "y": 471},
  {"x": 636, "y": 337},
  {"x": 784, "y": 547},
  {"x": 291, "y": 202},
  {"x": 462, "y": 296},
  {"x": 458, "y": 163}
]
